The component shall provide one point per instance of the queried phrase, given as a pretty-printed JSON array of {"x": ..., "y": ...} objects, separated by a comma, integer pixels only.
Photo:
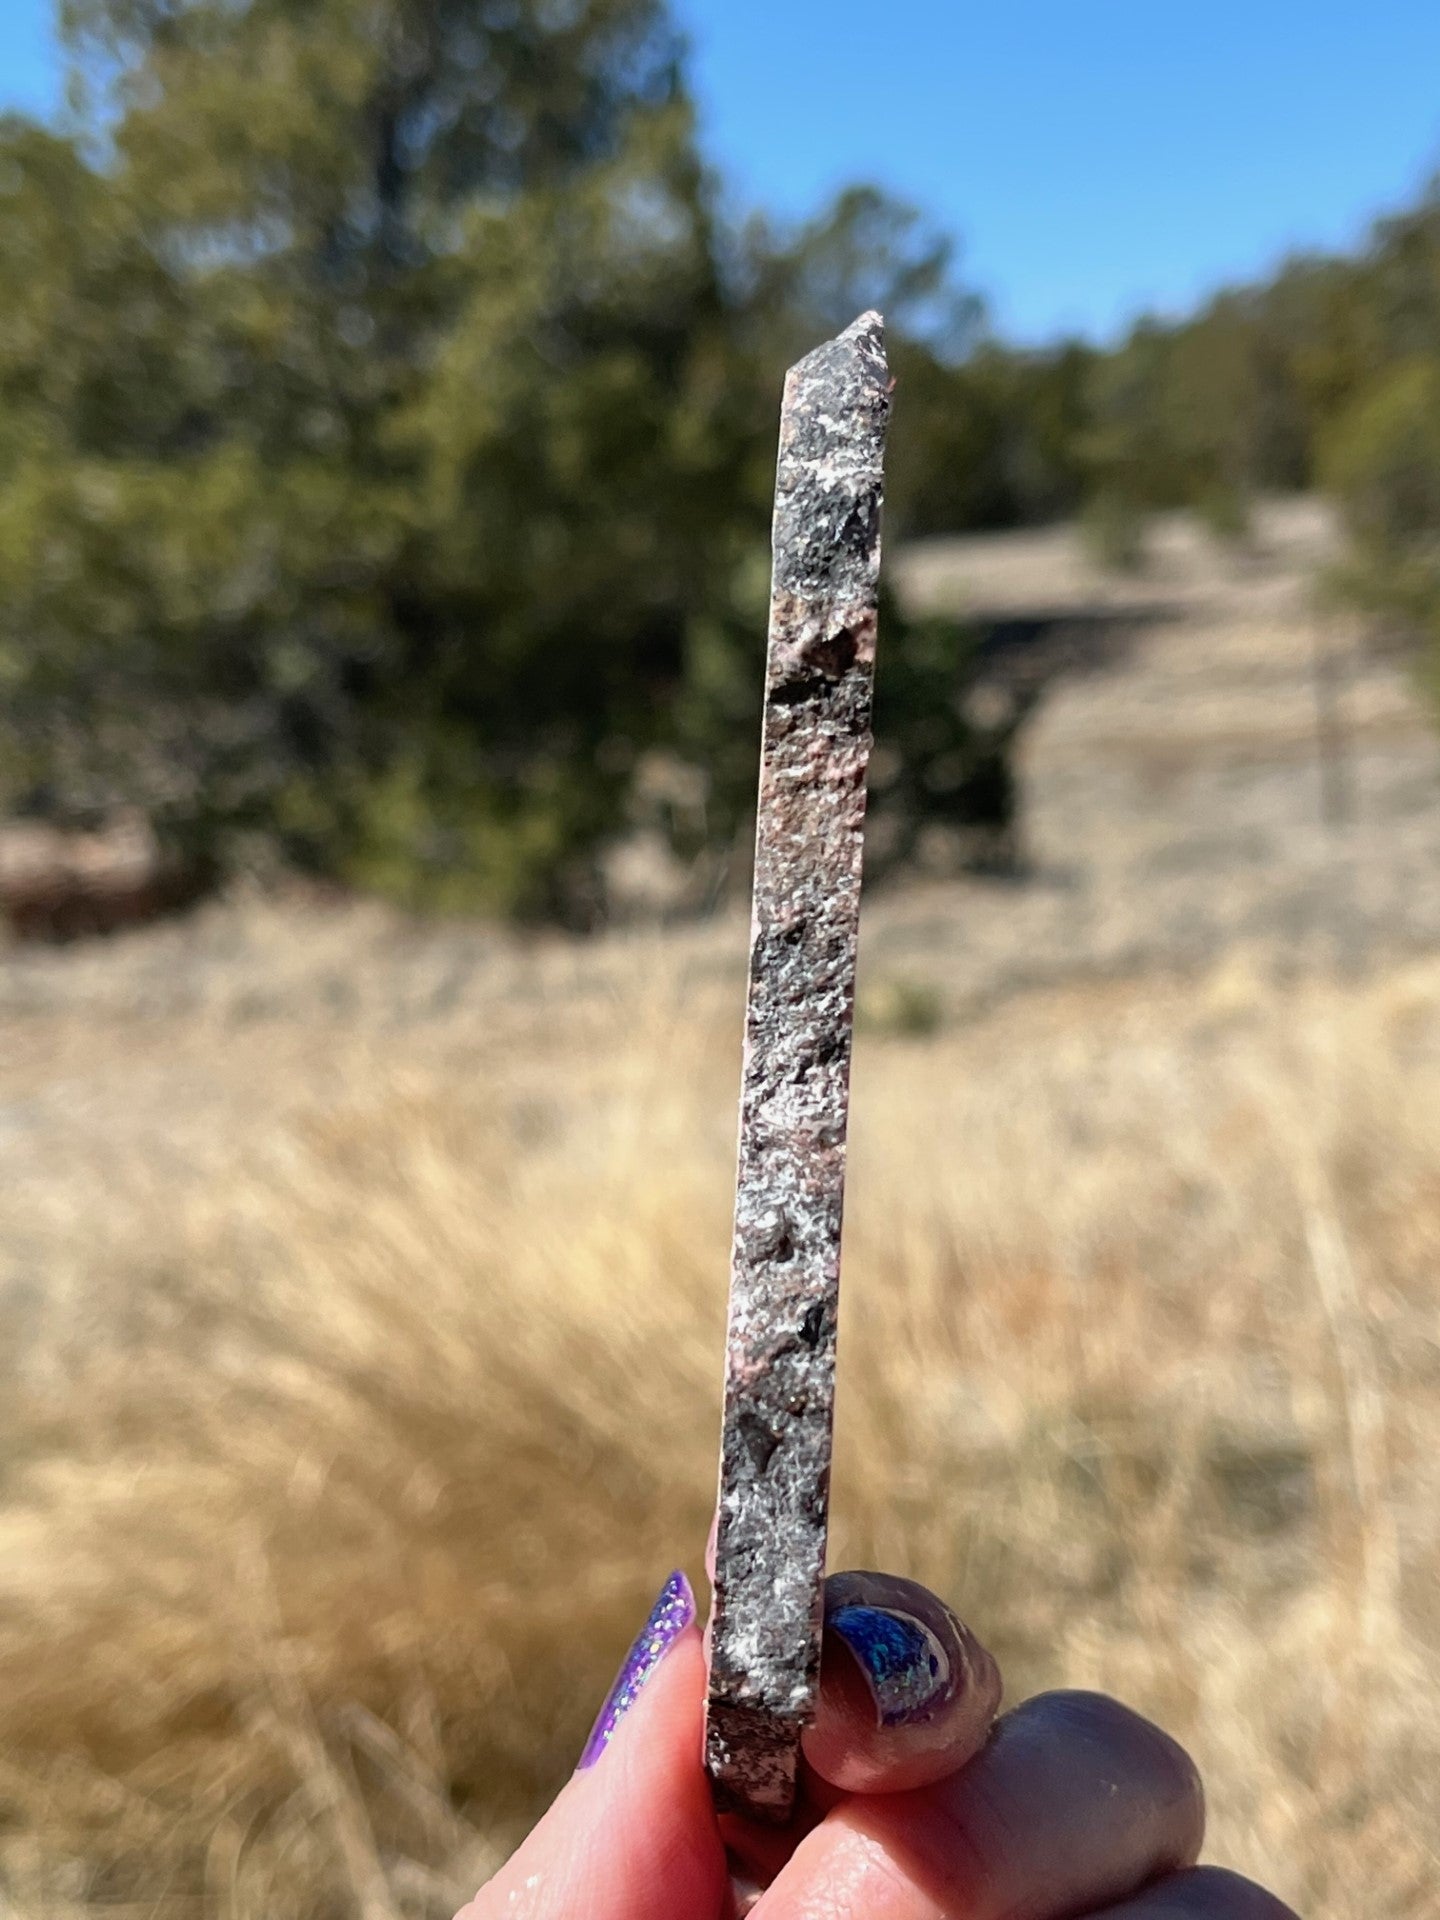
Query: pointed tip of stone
[
  {"x": 864, "y": 339},
  {"x": 869, "y": 327}
]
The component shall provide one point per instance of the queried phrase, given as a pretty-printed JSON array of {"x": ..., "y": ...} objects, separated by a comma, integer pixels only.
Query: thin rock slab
[{"x": 785, "y": 1267}]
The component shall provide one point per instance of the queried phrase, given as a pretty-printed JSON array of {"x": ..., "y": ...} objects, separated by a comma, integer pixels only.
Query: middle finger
[{"x": 1074, "y": 1802}]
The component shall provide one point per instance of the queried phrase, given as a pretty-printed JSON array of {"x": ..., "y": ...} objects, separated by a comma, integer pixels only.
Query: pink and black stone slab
[{"x": 785, "y": 1269}]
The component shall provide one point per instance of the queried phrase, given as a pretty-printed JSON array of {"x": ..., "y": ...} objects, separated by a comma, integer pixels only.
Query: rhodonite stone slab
[{"x": 785, "y": 1267}]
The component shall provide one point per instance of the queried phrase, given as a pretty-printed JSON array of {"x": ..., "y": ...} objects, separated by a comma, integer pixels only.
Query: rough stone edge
[{"x": 819, "y": 677}]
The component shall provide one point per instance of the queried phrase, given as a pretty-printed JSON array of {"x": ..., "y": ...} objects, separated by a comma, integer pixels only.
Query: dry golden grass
[{"x": 339, "y": 1470}]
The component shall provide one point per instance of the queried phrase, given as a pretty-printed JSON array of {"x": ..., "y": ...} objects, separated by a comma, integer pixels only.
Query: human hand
[{"x": 916, "y": 1803}]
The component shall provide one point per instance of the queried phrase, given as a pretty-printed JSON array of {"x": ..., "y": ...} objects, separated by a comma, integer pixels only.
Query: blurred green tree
[
  {"x": 395, "y": 446},
  {"x": 387, "y": 433},
  {"x": 387, "y": 422},
  {"x": 1383, "y": 464}
]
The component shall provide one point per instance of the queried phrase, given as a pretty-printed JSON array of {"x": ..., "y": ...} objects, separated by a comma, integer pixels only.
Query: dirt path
[{"x": 1213, "y": 768}]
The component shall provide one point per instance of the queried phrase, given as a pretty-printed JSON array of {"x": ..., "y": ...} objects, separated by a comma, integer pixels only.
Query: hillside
[{"x": 1213, "y": 768}]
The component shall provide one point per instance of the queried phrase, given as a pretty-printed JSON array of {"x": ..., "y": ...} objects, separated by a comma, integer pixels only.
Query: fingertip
[
  {"x": 669, "y": 1621},
  {"x": 658, "y": 1742},
  {"x": 907, "y": 1692},
  {"x": 633, "y": 1835},
  {"x": 1104, "y": 1725}
]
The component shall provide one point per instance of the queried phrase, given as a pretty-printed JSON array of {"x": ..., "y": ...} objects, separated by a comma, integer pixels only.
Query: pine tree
[
  {"x": 393, "y": 450},
  {"x": 387, "y": 438}
]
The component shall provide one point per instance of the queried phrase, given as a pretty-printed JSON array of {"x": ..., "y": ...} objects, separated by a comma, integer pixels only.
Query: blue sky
[{"x": 1097, "y": 157}]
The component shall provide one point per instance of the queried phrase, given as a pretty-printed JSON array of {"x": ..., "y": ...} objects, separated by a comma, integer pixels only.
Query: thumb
[
  {"x": 907, "y": 1693},
  {"x": 633, "y": 1835}
]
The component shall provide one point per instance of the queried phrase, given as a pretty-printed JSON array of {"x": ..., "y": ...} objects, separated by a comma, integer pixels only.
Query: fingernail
[
  {"x": 669, "y": 1617},
  {"x": 906, "y": 1666}
]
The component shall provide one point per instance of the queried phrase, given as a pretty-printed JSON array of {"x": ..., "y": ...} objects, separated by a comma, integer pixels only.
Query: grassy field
[
  {"x": 367, "y": 1386},
  {"x": 362, "y": 1284}
]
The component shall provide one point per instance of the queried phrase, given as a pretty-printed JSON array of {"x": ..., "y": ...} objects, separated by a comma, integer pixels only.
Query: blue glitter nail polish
[
  {"x": 906, "y": 1667},
  {"x": 669, "y": 1617}
]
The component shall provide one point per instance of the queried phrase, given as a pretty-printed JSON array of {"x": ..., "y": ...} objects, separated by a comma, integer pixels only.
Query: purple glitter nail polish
[{"x": 669, "y": 1617}]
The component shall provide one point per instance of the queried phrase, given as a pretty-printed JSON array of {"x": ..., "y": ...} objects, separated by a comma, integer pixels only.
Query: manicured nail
[
  {"x": 905, "y": 1664},
  {"x": 669, "y": 1617}
]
